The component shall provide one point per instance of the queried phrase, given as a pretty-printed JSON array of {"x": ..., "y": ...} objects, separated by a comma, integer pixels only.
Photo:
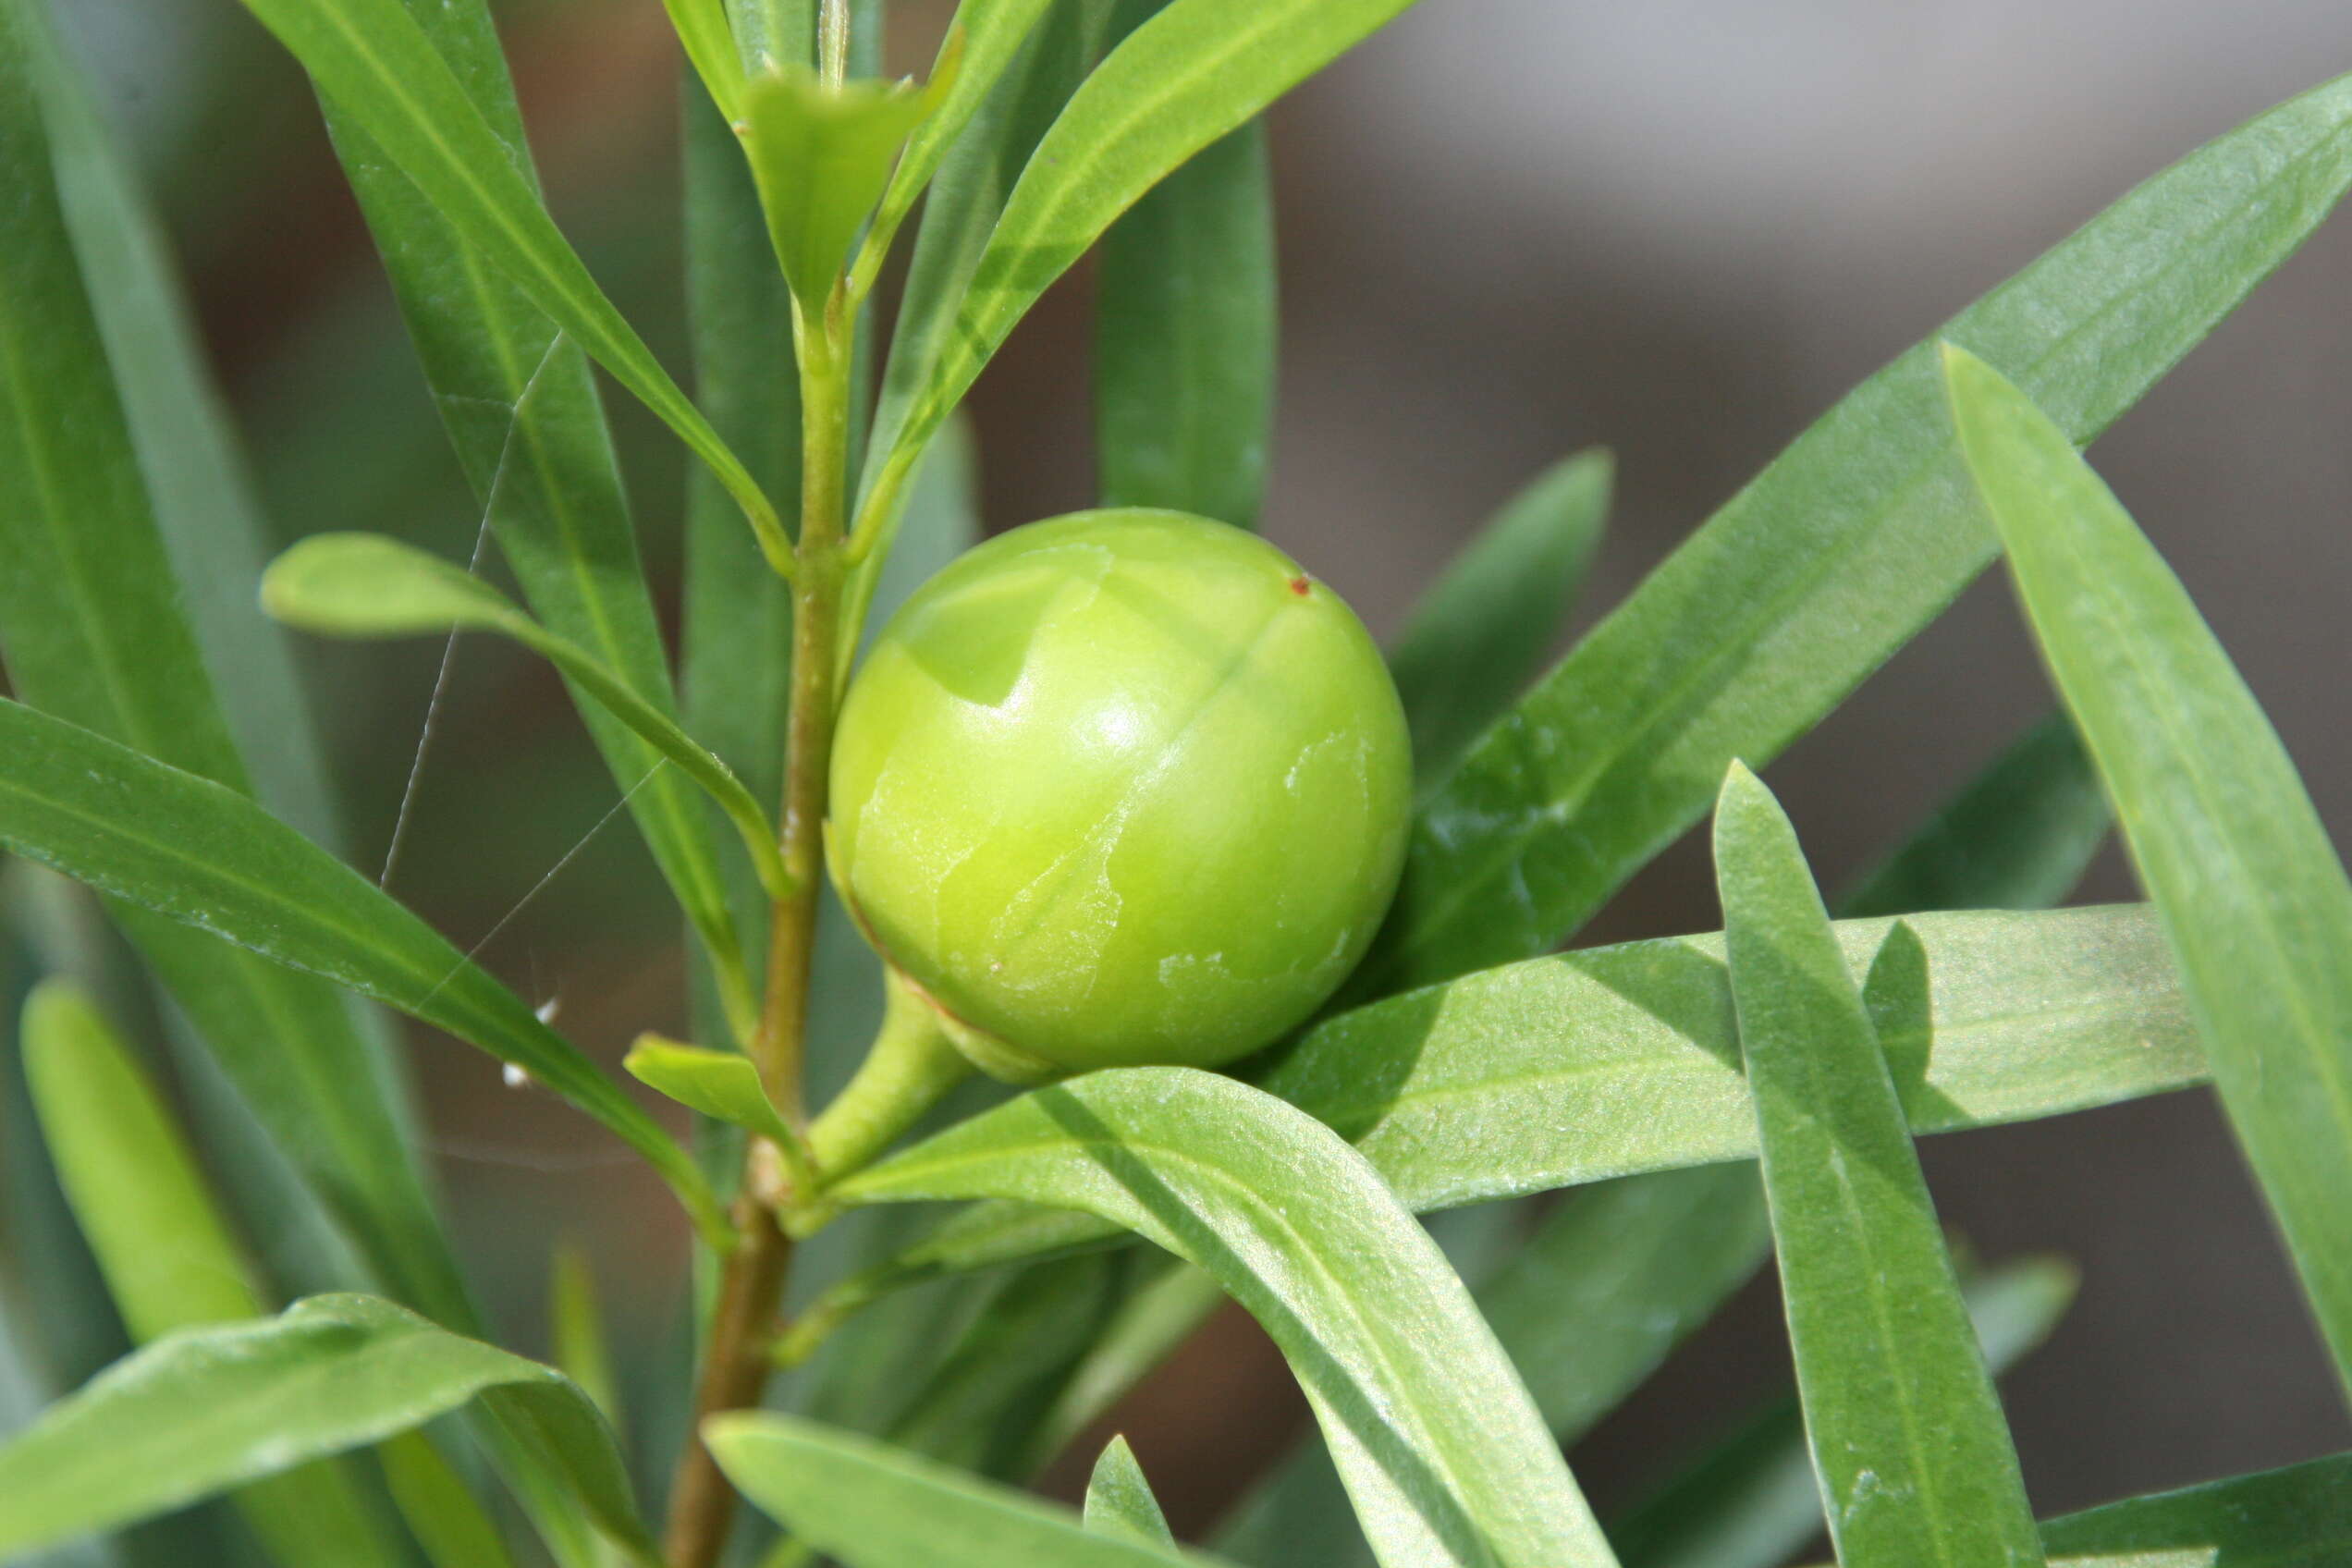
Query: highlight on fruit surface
[{"x": 1121, "y": 787}]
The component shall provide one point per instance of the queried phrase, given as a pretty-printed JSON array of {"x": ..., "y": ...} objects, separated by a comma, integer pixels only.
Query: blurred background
[{"x": 1510, "y": 229}]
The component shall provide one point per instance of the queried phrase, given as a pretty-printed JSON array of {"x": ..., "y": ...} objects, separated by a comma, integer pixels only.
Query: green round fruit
[{"x": 1121, "y": 786}]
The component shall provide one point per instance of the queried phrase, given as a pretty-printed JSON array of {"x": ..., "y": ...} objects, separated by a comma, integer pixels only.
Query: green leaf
[
  {"x": 978, "y": 1410},
  {"x": 769, "y": 31},
  {"x": 703, "y": 32},
  {"x": 366, "y": 586},
  {"x": 1915, "y": 1460},
  {"x": 1120, "y": 1501},
  {"x": 1590, "y": 1304},
  {"x": 1615, "y": 1278},
  {"x": 205, "y": 500},
  {"x": 1752, "y": 1501},
  {"x": 204, "y": 855},
  {"x": 1196, "y": 72},
  {"x": 1613, "y": 1060},
  {"x": 1665, "y": 1249},
  {"x": 576, "y": 1329},
  {"x": 723, "y": 1084},
  {"x": 2298, "y": 1517},
  {"x": 1828, "y": 561},
  {"x": 446, "y": 1519},
  {"x": 157, "y": 1233},
  {"x": 2018, "y": 837},
  {"x": 65, "y": 1319},
  {"x": 94, "y": 633},
  {"x": 821, "y": 153},
  {"x": 520, "y": 404},
  {"x": 1480, "y": 632},
  {"x": 981, "y": 43},
  {"x": 205, "y": 1409},
  {"x": 375, "y": 64},
  {"x": 874, "y": 1506},
  {"x": 1153, "y": 1321},
  {"x": 2249, "y": 891},
  {"x": 1586, "y": 1309},
  {"x": 1186, "y": 338},
  {"x": 1442, "y": 1448},
  {"x": 128, "y": 1171},
  {"x": 23, "y": 1394},
  {"x": 958, "y": 218}
]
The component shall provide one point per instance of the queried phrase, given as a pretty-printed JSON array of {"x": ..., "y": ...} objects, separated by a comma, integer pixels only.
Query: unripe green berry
[{"x": 1121, "y": 786}]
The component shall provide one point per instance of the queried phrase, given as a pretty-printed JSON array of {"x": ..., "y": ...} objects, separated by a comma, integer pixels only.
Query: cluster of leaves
[{"x": 1724, "y": 1096}]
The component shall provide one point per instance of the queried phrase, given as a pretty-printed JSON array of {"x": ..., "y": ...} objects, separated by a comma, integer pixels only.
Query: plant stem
[
  {"x": 816, "y": 605},
  {"x": 735, "y": 1359},
  {"x": 734, "y": 1373}
]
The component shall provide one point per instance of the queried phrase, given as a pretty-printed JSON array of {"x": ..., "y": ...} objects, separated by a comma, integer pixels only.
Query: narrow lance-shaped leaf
[
  {"x": 187, "y": 847},
  {"x": 2018, "y": 837},
  {"x": 873, "y": 1506},
  {"x": 770, "y": 30},
  {"x": 448, "y": 1521},
  {"x": 22, "y": 1396},
  {"x": 1195, "y": 73},
  {"x": 1915, "y": 1460},
  {"x": 521, "y": 403},
  {"x": 1441, "y": 1449},
  {"x": 976, "y": 1411},
  {"x": 2298, "y": 1517},
  {"x": 1156, "y": 1316},
  {"x": 169, "y": 1261},
  {"x": 1120, "y": 1501},
  {"x": 206, "y": 509},
  {"x": 576, "y": 1329},
  {"x": 1609, "y": 1061},
  {"x": 2030, "y": 1015},
  {"x": 92, "y": 630},
  {"x": 1479, "y": 634},
  {"x": 704, "y": 33},
  {"x": 1752, "y": 1500},
  {"x": 1185, "y": 335},
  {"x": 1591, "y": 1303},
  {"x": 958, "y": 218},
  {"x": 64, "y": 1318},
  {"x": 367, "y": 585},
  {"x": 206, "y": 1409},
  {"x": 2250, "y": 893},
  {"x": 375, "y": 63},
  {"x": 1585, "y": 1308},
  {"x": 1833, "y": 558},
  {"x": 983, "y": 39}
]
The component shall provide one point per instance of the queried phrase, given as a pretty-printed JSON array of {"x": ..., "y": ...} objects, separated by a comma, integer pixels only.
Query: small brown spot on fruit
[{"x": 1300, "y": 584}]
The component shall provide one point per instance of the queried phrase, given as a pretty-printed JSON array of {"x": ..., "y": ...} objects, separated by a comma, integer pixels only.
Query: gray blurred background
[{"x": 1511, "y": 228}]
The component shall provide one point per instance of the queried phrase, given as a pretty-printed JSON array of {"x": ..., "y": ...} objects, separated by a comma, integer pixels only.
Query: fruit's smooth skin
[{"x": 1121, "y": 786}]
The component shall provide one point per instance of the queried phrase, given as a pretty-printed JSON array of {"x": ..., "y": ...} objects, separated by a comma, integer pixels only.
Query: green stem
[
  {"x": 735, "y": 1360},
  {"x": 910, "y": 1067}
]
